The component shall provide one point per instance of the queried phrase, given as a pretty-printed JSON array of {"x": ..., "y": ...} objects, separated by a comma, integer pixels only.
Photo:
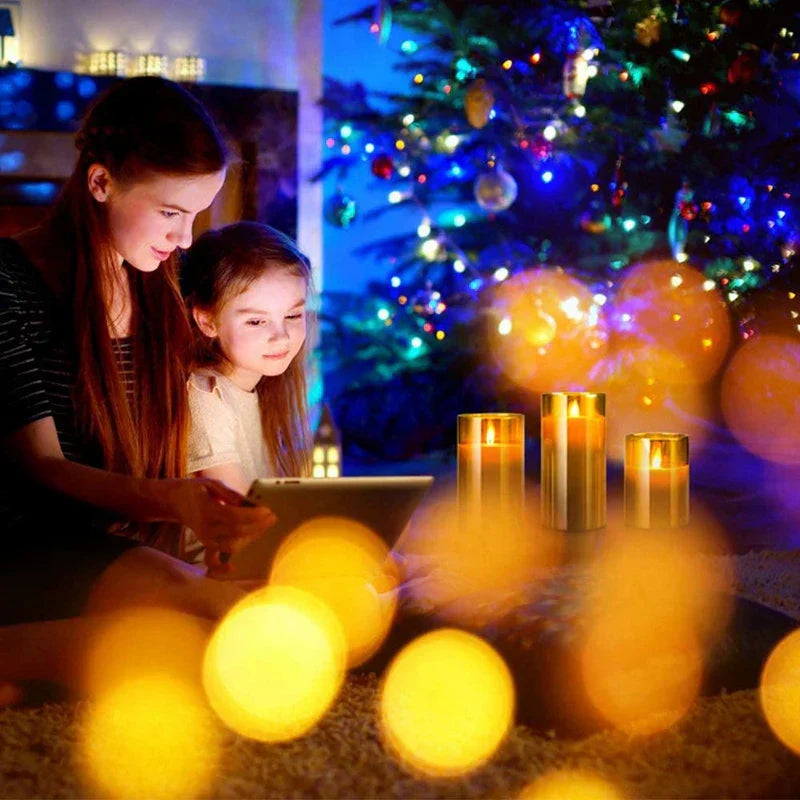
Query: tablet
[{"x": 383, "y": 503}]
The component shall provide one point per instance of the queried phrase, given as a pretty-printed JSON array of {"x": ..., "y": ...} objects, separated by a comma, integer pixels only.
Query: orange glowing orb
[
  {"x": 659, "y": 605},
  {"x": 275, "y": 664},
  {"x": 566, "y": 784},
  {"x": 347, "y": 566},
  {"x": 447, "y": 703},
  {"x": 470, "y": 572},
  {"x": 761, "y": 397},
  {"x": 151, "y": 736},
  {"x": 552, "y": 331},
  {"x": 641, "y": 403},
  {"x": 678, "y": 328},
  {"x": 780, "y": 691}
]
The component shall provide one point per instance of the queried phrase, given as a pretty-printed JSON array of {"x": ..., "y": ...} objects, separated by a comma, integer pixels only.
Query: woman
[{"x": 93, "y": 385}]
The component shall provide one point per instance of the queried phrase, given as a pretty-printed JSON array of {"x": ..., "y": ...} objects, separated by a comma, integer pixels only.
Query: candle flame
[
  {"x": 655, "y": 455},
  {"x": 574, "y": 409},
  {"x": 490, "y": 434}
]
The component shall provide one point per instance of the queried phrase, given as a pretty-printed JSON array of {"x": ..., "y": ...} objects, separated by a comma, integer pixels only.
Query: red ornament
[
  {"x": 744, "y": 68},
  {"x": 731, "y": 12},
  {"x": 383, "y": 166},
  {"x": 688, "y": 210}
]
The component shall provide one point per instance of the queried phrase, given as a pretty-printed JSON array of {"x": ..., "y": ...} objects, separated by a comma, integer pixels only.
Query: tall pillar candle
[
  {"x": 491, "y": 463},
  {"x": 656, "y": 480},
  {"x": 573, "y": 460}
]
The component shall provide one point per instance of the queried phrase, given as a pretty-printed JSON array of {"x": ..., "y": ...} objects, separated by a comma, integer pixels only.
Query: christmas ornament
[
  {"x": 683, "y": 211},
  {"x": 618, "y": 185},
  {"x": 382, "y": 23},
  {"x": 731, "y": 12},
  {"x": 495, "y": 190},
  {"x": 382, "y": 166},
  {"x": 340, "y": 210},
  {"x": 678, "y": 331},
  {"x": 759, "y": 397},
  {"x": 575, "y": 75},
  {"x": 556, "y": 334},
  {"x": 595, "y": 220},
  {"x": 478, "y": 103},
  {"x": 744, "y": 69},
  {"x": 648, "y": 31}
]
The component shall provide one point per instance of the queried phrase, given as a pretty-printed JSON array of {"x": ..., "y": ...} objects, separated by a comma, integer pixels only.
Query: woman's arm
[
  {"x": 231, "y": 475},
  {"x": 209, "y": 508}
]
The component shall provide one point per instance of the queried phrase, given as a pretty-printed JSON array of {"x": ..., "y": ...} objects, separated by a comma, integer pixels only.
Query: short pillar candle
[
  {"x": 573, "y": 460},
  {"x": 656, "y": 480},
  {"x": 491, "y": 463}
]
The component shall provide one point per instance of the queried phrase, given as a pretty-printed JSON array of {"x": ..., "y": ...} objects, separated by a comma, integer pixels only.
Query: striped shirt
[{"x": 37, "y": 377}]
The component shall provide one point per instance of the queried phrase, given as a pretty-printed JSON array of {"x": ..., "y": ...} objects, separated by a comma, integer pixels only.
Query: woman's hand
[{"x": 216, "y": 515}]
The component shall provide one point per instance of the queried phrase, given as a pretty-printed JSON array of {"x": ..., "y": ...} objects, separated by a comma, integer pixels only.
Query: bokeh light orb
[
  {"x": 555, "y": 334},
  {"x": 146, "y": 641},
  {"x": 150, "y": 737},
  {"x": 761, "y": 397},
  {"x": 568, "y": 784},
  {"x": 348, "y": 566},
  {"x": 275, "y": 664},
  {"x": 447, "y": 703},
  {"x": 779, "y": 691},
  {"x": 639, "y": 403},
  {"x": 470, "y": 569},
  {"x": 660, "y": 603},
  {"x": 678, "y": 330}
]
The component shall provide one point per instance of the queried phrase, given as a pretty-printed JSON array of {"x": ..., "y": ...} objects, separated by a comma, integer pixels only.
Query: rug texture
[{"x": 722, "y": 749}]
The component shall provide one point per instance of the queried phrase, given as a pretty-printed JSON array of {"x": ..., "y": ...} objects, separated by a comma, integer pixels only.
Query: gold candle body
[
  {"x": 491, "y": 464},
  {"x": 573, "y": 460},
  {"x": 656, "y": 480}
]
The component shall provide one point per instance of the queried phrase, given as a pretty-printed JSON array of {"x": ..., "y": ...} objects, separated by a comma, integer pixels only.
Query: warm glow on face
[
  {"x": 347, "y": 566},
  {"x": 447, "y": 703},
  {"x": 655, "y": 455},
  {"x": 490, "y": 433},
  {"x": 780, "y": 691},
  {"x": 275, "y": 664},
  {"x": 150, "y": 737},
  {"x": 574, "y": 409}
]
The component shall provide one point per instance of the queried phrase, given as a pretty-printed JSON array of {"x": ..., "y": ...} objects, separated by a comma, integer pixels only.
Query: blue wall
[{"x": 351, "y": 53}]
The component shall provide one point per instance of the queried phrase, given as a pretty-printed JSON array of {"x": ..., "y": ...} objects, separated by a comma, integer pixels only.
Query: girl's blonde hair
[{"x": 220, "y": 265}]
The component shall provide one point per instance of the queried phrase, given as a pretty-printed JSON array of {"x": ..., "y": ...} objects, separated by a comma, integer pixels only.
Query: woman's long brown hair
[
  {"x": 141, "y": 127},
  {"x": 222, "y": 264}
]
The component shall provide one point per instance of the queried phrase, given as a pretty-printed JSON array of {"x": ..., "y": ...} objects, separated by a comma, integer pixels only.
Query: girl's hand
[{"x": 216, "y": 515}]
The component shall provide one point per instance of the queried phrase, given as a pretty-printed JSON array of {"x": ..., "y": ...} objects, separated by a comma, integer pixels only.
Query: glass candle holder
[
  {"x": 573, "y": 460},
  {"x": 491, "y": 463},
  {"x": 656, "y": 480}
]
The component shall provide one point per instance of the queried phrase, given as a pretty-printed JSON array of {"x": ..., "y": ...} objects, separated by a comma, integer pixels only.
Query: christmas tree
[{"x": 607, "y": 199}]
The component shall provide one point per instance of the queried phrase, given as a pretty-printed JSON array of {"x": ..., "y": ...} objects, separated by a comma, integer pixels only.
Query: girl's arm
[
  {"x": 209, "y": 508},
  {"x": 231, "y": 475}
]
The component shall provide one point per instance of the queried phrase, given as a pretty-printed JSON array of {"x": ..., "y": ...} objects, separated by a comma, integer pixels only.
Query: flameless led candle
[
  {"x": 656, "y": 480},
  {"x": 573, "y": 460},
  {"x": 491, "y": 463}
]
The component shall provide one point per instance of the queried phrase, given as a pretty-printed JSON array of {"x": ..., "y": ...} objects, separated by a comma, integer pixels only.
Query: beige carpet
[{"x": 722, "y": 749}]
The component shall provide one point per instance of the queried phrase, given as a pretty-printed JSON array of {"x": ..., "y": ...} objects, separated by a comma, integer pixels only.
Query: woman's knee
[{"x": 144, "y": 576}]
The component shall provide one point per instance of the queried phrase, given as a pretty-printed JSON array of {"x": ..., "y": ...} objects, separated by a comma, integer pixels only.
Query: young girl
[
  {"x": 246, "y": 287},
  {"x": 93, "y": 396}
]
